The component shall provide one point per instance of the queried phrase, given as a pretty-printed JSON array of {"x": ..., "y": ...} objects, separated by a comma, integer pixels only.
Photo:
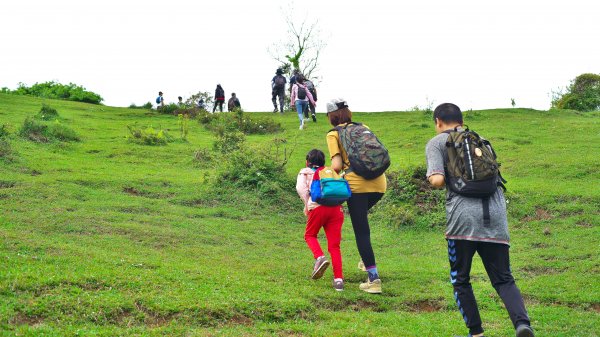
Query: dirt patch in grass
[
  {"x": 584, "y": 223},
  {"x": 24, "y": 319},
  {"x": 540, "y": 214},
  {"x": 428, "y": 305},
  {"x": 348, "y": 305},
  {"x": 147, "y": 194},
  {"x": 532, "y": 271},
  {"x": 132, "y": 191},
  {"x": 7, "y": 184}
]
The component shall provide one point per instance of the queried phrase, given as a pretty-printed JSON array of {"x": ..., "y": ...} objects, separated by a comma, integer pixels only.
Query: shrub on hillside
[
  {"x": 229, "y": 141},
  {"x": 47, "y": 113},
  {"x": 148, "y": 135},
  {"x": 53, "y": 90},
  {"x": 147, "y": 106},
  {"x": 410, "y": 200},
  {"x": 583, "y": 94},
  {"x": 5, "y": 148},
  {"x": 41, "y": 132},
  {"x": 239, "y": 121},
  {"x": 168, "y": 109},
  {"x": 4, "y": 131}
]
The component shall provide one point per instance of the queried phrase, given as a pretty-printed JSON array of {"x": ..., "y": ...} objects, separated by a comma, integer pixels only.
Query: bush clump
[
  {"x": 239, "y": 121},
  {"x": 42, "y": 133},
  {"x": 168, "y": 109},
  {"x": 410, "y": 200},
  {"x": 146, "y": 106},
  {"x": 583, "y": 94},
  {"x": 54, "y": 90},
  {"x": 148, "y": 135},
  {"x": 47, "y": 113}
]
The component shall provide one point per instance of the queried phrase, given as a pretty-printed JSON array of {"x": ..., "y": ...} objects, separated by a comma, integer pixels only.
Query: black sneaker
[
  {"x": 314, "y": 117},
  {"x": 275, "y": 110},
  {"x": 524, "y": 330}
]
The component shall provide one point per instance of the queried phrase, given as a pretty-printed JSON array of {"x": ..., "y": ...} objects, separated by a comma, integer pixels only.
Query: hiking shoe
[
  {"x": 314, "y": 117},
  {"x": 361, "y": 266},
  {"x": 524, "y": 330},
  {"x": 302, "y": 125},
  {"x": 371, "y": 287},
  {"x": 338, "y": 285},
  {"x": 321, "y": 265},
  {"x": 275, "y": 110}
]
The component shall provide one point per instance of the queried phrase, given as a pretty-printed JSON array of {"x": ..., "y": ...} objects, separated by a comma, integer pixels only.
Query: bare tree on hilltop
[{"x": 301, "y": 48}]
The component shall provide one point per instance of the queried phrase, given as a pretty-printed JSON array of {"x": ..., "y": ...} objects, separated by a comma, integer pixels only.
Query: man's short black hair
[
  {"x": 315, "y": 158},
  {"x": 448, "y": 113}
]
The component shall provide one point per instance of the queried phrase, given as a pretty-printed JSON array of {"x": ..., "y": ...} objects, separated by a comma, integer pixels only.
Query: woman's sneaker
[
  {"x": 361, "y": 266},
  {"x": 314, "y": 118},
  {"x": 371, "y": 287},
  {"x": 321, "y": 265},
  {"x": 338, "y": 284}
]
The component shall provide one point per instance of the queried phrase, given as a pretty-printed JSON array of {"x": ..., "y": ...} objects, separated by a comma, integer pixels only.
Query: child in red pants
[{"x": 330, "y": 218}]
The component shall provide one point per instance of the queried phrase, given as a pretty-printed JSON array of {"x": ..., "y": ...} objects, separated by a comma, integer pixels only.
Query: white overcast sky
[{"x": 381, "y": 55}]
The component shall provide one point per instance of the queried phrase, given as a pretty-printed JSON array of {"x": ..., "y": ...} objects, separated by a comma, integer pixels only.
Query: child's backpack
[
  {"x": 471, "y": 167},
  {"x": 328, "y": 188},
  {"x": 367, "y": 156},
  {"x": 158, "y": 100},
  {"x": 301, "y": 92},
  {"x": 279, "y": 82}
]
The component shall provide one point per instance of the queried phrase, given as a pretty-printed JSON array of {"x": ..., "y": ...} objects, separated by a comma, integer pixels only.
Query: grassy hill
[{"x": 105, "y": 237}]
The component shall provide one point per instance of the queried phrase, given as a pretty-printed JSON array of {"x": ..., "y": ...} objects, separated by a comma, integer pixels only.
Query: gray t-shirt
[{"x": 464, "y": 215}]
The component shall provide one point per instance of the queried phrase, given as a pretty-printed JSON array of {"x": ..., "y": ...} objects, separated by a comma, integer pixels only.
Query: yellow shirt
[{"x": 357, "y": 183}]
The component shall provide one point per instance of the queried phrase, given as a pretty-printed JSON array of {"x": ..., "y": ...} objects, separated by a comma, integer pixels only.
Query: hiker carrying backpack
[
  {"x": 367, "y": 156},
  {"x": 471, "y": 167}
]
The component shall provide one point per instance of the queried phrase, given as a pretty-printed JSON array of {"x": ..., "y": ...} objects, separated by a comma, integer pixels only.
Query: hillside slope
[{"x": 106, "y": 237}]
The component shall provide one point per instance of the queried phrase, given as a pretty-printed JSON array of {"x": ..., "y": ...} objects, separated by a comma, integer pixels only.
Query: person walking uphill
[
  {"x": 219, "y": 98},
  {"x": 476, "y": 220},
  {"x": 278, "y": 90},
  {"x": 300, "y": 97},
  {"x": 364, "y": 169},
  {"x": 329, "y": 216}
]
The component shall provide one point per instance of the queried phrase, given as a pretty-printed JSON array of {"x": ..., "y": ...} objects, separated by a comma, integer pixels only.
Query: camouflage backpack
[
  {"x": 471, "y": 167},
  {"x": 367, "y": 156}
]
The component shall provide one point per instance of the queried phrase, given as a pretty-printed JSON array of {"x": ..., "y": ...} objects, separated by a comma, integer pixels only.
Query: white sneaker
[{"x": 302, "y": 125}]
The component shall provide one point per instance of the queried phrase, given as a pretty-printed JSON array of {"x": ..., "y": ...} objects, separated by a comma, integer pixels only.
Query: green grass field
[{"x": 103, "y": 237}]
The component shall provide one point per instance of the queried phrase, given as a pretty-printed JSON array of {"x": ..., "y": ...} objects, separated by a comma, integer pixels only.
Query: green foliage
[
  {"x": 148, "y": 135},
  {"x": 168, "y": 109},
  {"x": 47, "y": 113},
  {"x": 53, "y": 90},
  {"x": 410, "y": 200},
  {"x": 184, "y": 127},
  {"x": 4, "y": 133},
  {"x": 229, "y": 141},
  {"x": 192, "y": 101},
  {"x": 239, "y": 121},
  {"x": 146, "y": 106},
  {"x": 41, "y": 132},
  {"x": 583, "y": 94}
]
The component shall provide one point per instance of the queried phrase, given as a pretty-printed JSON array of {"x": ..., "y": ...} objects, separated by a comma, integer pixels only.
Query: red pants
[{"x": 331, "y": 219}]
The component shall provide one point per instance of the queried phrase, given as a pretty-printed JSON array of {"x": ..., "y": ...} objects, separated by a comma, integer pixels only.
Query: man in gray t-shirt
[{"x": 468, "y": 231}]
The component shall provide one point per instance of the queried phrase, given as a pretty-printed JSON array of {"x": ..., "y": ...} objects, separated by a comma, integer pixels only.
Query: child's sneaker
[
  {"x": 321, "y": 265},
  {"x": 524, "y": 330},
  {"x": 361, "y": 266},
  {"x": 338, "y": 284},
  {"x": 314, "y": 118},
  {"x": 371, "y": 287}
]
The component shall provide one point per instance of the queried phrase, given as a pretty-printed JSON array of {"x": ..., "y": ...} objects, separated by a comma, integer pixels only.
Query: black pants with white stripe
[{"x": 497, "y": 265}]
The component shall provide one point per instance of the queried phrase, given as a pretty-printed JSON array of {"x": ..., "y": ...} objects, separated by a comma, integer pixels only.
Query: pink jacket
[
  {"x": 295, "y": 98},
  {"x": 303, "y": 182}
]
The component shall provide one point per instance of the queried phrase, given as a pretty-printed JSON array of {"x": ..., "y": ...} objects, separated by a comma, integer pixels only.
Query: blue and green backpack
[{"x": 328, "y": 188}]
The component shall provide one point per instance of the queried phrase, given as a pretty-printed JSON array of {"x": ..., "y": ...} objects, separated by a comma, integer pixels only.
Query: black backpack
[
  {"x": 301, "y": 92},
  {"x": 279, "y": 82}
]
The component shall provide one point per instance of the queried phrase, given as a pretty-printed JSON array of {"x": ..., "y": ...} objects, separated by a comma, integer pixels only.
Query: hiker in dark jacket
[
  {"x": 219, "y": 98},
  {"x": 278, "y": 90},
  {"x": 311, "y": 87},
  {"x": 233, "y": 103}
]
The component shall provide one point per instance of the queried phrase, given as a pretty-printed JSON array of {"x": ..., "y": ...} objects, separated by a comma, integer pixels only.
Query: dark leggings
[
  {"x": 359, "y": 205},
  {"x": 220, "y": 104},
  {"x": 497, "y": 265}
]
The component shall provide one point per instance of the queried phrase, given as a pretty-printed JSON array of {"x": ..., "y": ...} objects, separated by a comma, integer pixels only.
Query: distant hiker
[
  {"x": 233, "y": 103},
  {"x": 219, "y": 98},
  {"x": 330, "y": 218},
  {"x": 355, "y": 151},
  {"x": 278, "y": 90},
  {"x": 300, "y": 97},
  {"x": 311, "y": 87},
  {"x": 201, "y": 104},
  {"x": 476, "y": 220},
  {"x": 180, "y": 101},
  {"x": 294, "y": 78},
  {"x": 160, "y": 101}
]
